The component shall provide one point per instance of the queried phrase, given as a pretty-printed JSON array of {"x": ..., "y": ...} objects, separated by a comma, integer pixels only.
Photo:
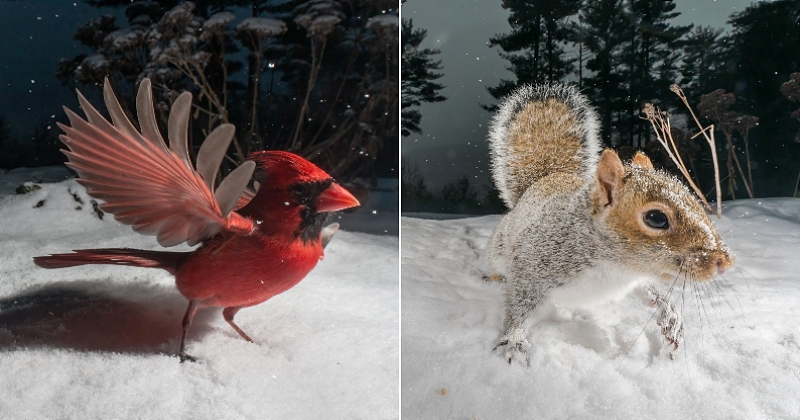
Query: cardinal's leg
[
  {"x": 228, "y": 313},
  {"x": 187, "y": 321}
]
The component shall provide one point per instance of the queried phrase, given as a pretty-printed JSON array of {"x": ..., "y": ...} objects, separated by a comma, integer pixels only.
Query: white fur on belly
[{"x": 599, "y": 284}]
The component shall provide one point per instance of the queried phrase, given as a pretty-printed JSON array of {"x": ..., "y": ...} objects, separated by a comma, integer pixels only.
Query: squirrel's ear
[
  {"x": 609, "y": 177},
  {"x": 641, "y": 160}
]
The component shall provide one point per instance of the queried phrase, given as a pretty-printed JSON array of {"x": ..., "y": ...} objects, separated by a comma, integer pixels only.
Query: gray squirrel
[{"x": 583, "y": 227}]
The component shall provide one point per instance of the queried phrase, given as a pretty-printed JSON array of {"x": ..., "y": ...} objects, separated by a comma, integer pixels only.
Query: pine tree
[
  {"x": 535, "y": 47},
  {"x": 414, "y": 193},
  {"x": 651, "y": 40},
  {"x": 459, "y": 196},
  {"x": 417, "y": 76},
  {"x": 703, "y": 62},
  {"x": 604, "y": 26}
]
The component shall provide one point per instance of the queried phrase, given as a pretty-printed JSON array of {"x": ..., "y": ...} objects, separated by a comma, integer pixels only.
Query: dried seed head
[{"x": 649, "y": 111}]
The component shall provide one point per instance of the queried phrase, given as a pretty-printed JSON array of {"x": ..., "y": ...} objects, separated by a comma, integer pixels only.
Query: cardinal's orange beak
[{"x": 335, "y": 198}]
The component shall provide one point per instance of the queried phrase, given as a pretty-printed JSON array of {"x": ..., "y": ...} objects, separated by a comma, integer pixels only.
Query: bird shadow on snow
[{"x": 95, "y": 316}]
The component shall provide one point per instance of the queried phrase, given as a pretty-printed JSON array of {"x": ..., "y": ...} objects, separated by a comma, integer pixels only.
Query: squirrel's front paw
[
  {"x": 671, "y": 325},
  {"x": 513, "y": 347}
]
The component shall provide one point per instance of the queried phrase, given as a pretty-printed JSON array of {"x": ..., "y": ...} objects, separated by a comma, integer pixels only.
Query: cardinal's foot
[{"x": 186, "y": 358}]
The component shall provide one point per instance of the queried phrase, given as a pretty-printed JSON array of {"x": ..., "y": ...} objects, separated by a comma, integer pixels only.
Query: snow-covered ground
[
  {"x": 98, "y": 341},
  {"x": 378, "y": 214},
  {"x": 11, "y": 180},
  {"x": 740, "y": 359}
]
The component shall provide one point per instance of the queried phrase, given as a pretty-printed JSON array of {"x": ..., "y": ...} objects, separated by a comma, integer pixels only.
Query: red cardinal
[{"x": 254, "y": 245}]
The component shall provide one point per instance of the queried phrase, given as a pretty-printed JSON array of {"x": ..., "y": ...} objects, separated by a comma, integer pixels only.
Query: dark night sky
[
  {"x": 34, "y": 35},
  {"x": 453, "y": 136}
]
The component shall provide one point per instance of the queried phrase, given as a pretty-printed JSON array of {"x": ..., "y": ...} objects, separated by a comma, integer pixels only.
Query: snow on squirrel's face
[{"x": 664, "y": 228}]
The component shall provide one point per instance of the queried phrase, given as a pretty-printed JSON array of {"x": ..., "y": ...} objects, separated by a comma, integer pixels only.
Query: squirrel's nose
[
  {"x": 720, "y": 267},
  {"x": 724, "y": 264}
]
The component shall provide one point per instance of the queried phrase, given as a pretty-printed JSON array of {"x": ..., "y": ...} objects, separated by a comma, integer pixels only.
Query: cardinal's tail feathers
[{"x": 169, "y": 261}]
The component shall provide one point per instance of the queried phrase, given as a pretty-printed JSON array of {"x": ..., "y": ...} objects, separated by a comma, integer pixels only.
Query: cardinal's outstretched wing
[{"x": 150, "y": 186}]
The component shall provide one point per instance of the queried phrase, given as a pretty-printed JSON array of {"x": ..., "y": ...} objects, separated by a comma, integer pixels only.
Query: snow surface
[
  {"x": 11, "y": 179},
  {"x": 99, "y": 341},
  {"x": 740, "y": 359}
]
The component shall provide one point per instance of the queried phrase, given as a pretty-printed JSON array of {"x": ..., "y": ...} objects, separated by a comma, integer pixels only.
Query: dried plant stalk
[
  {"x": 659, "y": 120},
  {"x": 709, "y": 138},
  {"x": 796, "y": 185}
]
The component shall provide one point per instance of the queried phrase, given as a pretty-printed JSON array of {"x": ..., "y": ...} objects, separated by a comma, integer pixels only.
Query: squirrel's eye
[{"x": 656, "y": 219}]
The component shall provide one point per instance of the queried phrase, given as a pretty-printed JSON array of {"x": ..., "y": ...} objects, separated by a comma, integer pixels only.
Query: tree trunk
[{"x": 537, "y": 28}]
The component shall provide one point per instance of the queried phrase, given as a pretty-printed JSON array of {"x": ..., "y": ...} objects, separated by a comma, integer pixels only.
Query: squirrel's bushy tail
[{"x": 540, "y": 130}]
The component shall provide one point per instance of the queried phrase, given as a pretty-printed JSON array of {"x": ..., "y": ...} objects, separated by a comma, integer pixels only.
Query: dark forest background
[
  {"x": 626, "y": 53},
  {"x": 319, "y": 77}
]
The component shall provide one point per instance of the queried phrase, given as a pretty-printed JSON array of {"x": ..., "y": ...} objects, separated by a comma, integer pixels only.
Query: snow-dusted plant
[
  {"x": 714, "y": 106},
  {"x": 119, "y": 53},
  {"x": 215, "y": 24},
  {"x": 386, "y": 24},
  {"x": 318, "y": 18},
  {"x": 791, "y": 90},
  {"x": 92, "y": 67},
  {"x": 259, "y": 28},
  {"x": 331, "y": 67}
]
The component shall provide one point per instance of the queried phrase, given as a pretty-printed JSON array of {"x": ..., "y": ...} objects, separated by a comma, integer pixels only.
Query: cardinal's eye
[
  {"x": 301, "y": 188},
  {"x": 656, "y": 219}
]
